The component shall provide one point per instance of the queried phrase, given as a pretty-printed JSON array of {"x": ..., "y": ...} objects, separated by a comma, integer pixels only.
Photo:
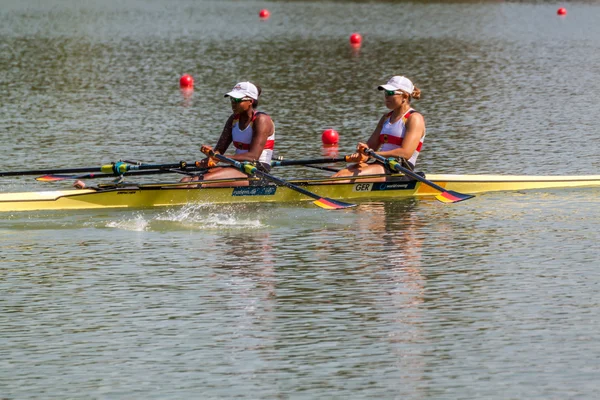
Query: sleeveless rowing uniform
[
  {"x": 392, "y": 135},
  {"x": 243, "y": 138}
]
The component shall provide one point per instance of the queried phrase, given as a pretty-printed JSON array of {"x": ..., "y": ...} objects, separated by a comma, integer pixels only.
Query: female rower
[
  {"x": 399, "y": 133},
  {"x": 251, "y": 132}
]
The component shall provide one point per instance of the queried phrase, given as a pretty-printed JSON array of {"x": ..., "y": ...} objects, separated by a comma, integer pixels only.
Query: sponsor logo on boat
[
  {"x": 394, "y": 185},
  {"x": 254, "y": 191},
  {"x": 126, "y": 192}
]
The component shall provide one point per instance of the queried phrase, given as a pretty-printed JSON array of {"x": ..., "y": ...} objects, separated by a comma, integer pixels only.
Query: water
[{"x": 496, "y": 297}]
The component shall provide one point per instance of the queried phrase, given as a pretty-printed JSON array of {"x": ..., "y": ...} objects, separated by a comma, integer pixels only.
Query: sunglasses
[
  {"x": 234, "y": 100},
  {"x": 392, "y": 93}
]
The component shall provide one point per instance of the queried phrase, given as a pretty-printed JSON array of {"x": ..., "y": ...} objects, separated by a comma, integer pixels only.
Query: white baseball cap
[
  {"x": 398, "y": 83},
  {"x": 243, "y": 89}
]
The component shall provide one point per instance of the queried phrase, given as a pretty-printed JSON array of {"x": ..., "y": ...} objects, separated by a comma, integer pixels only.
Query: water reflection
[
  {"x": 330, "y": 151},
  {"x": 250, "y": 258},
  {"x": 332, "y": 299},
  {"x": 186, "y": 95},
  {"x": 253, "y": 249},
  {"x": 395, "y": 232},
  {"x": 355, "y": 49}
]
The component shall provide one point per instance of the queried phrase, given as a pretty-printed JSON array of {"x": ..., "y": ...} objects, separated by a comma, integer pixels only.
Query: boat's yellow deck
[{"x": 160, "y": 195}]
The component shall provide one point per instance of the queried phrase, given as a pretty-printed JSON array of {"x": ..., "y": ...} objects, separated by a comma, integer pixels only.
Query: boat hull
[{"x": 155, "y": 195}]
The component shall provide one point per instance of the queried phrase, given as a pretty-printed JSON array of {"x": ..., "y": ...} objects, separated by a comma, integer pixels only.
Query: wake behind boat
[{"x": 131, "y": 195}]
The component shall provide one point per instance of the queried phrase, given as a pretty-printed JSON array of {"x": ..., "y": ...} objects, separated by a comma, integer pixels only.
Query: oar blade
[
  {"x": 450, "y": 196},
  {"x": 53, "y": 178},
  {"x": 330, "y": 204},
  {"x": 445, "y": 196}
]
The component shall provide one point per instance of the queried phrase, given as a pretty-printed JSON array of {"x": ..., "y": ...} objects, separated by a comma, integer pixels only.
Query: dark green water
[{"x": 496, "y": 297}]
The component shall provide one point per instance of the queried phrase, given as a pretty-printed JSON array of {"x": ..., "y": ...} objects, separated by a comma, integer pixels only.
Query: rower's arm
[
  {"x": 415, "y": 129},
  {"x": 226, "y": 137},
  {"x": 373, "y": 141},
  {"x": 263, "y": 127}
]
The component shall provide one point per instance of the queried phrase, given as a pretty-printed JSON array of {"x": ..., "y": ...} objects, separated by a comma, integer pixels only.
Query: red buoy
[
  {"x": 355, "y": 39},
  {"x": 561, "y": 11},
  {"x": 264, "y": 13},
  {"x": 330, "y": 137},
  {"x": 186, "y": 81}
]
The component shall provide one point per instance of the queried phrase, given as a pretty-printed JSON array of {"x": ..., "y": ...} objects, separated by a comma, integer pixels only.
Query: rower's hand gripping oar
[
  {"x": 247, "y": 168},
  {"x": 445, "y": 196}
]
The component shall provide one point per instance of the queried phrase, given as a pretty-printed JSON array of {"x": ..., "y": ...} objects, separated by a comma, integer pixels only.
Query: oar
[
  {"x": 283, "y": 163},
  {"x": 59, "y": 177},
  {"x": 445, "y": 196},
  {"x": 116, "y": 168},
  {"x": 322, "y": 168},
  {"x": 247, "y": 168}
]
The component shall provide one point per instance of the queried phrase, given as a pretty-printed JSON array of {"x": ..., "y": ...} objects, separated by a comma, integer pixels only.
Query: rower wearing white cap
[
  {"x": 252, "y": 134},
  {"x": 399, "y": 133}
]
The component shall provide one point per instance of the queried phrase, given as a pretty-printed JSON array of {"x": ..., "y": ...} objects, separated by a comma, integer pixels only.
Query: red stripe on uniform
[
  {"x": 241, "y": 146},
  {"x": 390, "y": 139},
  {"x": 270, "y": 145}
]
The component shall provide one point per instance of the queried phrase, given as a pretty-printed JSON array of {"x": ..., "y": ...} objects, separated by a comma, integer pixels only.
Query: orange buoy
[
  {"x": 561, "y": 11},
  {"x": 186, "y": 81},
  {"x": 264, "y": 13},
  {"x": 330, "y": 137},
  {"x": 355, "y": 39}
]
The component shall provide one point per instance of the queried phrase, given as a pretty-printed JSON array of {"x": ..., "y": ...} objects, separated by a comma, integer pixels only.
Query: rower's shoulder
[
  {"x": 415, "y": 116},
  {"x": 262, "y": 118},
  {"x": 261, "y": 115}
]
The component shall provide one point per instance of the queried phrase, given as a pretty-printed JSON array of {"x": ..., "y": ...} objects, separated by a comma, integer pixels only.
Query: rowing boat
[{"x": 128, "y": 195}]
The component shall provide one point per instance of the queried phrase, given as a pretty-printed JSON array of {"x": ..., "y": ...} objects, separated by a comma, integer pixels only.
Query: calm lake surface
[{"x": 495, "y": 297}]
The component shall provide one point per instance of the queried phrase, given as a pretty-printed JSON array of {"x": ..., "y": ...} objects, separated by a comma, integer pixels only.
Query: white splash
[
  {"x": 137, "y": 224},
  {"x": 203, "y": 216}
]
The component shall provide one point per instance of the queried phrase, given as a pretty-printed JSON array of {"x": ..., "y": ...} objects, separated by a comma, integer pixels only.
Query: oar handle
[{"x": 245, "y": 167}]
